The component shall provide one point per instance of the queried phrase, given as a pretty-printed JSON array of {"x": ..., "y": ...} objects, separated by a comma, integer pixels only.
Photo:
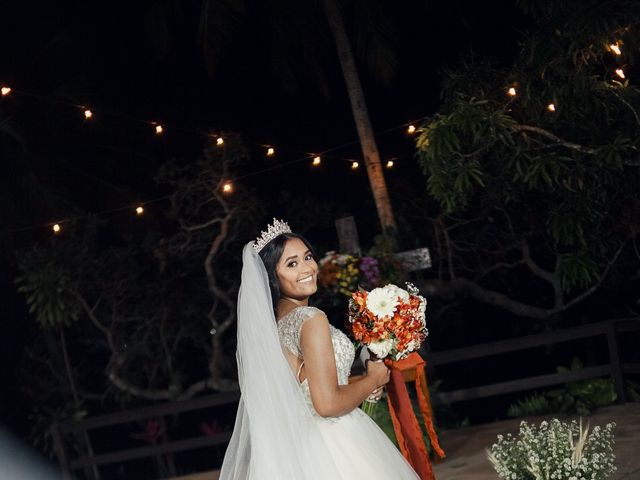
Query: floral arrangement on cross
[{"x": 341, "y": 274}]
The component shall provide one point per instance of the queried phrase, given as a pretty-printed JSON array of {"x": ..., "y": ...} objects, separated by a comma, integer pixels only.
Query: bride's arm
[{"x": 330, "y": 399}]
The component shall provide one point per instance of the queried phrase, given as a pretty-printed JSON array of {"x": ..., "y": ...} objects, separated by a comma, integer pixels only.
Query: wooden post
[
  {"x": 169, "y": 456},
  {"x": 614, "y": 360},
  {"x": 58, "y": 448},
  {"x": 348, "y": 236}
]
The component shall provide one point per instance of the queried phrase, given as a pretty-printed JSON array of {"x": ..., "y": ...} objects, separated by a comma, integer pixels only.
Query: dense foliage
[{"x": 536, "y": 165}]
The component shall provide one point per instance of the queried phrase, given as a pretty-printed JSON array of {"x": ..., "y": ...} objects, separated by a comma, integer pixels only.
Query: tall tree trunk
[{"x": 360, "y": 114}]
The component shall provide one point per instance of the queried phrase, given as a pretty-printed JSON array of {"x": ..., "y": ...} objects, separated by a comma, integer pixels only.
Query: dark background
[{"x": 108, "y": 56}]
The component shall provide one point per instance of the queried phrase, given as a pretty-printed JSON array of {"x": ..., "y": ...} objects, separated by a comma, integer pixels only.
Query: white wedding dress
[{"x": 358, "y": 447}]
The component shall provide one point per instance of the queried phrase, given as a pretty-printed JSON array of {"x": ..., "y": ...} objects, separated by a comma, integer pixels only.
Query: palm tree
[
  {"x": 368, "y": 144},
  {"x": 218, "y": 18}
]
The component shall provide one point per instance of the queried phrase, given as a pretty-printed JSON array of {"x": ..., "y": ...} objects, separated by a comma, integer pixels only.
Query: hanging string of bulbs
[
  {"x": 227, "y": 186},
  {"x": 270, "y": 151}
]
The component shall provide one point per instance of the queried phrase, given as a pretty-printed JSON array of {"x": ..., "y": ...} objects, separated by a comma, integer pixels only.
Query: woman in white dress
[{"x": 298, "y": 416}]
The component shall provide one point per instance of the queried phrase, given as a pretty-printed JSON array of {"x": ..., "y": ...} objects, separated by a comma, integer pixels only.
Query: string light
[
  {"x": 620, "y": 73},
  {"x": 615, "y": 48},
  {"x": 551, "y": 107},
  {"x": 227, "y": 187},
  {"x": 512, "y": 92}
]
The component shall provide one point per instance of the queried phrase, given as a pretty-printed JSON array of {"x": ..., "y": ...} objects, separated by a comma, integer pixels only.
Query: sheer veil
[{"x": 275, "y": 434}]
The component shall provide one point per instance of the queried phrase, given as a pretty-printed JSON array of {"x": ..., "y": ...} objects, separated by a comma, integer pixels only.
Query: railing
[
  {"x": 90, "y": 462},
  {"x": 615, "y": 368}
]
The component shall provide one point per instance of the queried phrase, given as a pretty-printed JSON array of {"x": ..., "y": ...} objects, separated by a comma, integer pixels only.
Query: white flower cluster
[{"x": 555, "y": 451}]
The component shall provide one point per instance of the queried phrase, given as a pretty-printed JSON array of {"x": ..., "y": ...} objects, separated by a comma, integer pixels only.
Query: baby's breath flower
[{"x": 555, "y": 451}]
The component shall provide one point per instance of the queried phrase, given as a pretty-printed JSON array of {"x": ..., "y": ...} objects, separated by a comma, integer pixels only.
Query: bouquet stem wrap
[{"x": 405, "y": 423}]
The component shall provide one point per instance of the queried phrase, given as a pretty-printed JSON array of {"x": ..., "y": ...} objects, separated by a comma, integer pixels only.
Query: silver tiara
[{"x": 279, "y": 227}]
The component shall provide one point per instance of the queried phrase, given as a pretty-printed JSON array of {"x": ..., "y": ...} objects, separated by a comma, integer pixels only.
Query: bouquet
[{"x": 389, "y": 320}]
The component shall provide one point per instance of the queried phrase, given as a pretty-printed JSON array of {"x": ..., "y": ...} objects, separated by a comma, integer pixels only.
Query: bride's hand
[
  {"x": 376, "y": 395},
  {"x": 378, "y": 371}
]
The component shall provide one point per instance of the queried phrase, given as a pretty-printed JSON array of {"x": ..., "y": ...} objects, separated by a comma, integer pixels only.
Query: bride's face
[{"x": 297, "y": 271}]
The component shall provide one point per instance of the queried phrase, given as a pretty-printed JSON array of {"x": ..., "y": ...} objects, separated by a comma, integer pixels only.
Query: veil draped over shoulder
[{"x": 275, "y": 434}]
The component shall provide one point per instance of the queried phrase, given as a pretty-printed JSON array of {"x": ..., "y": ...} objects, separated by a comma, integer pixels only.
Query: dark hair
[{"x": 271, "y": 254}]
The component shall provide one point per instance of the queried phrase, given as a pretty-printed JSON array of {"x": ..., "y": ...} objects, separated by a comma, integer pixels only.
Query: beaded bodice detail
[{"x": 289, "y": 328}]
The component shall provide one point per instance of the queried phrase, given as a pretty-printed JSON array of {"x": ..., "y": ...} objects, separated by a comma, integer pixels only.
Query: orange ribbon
[{"x": 405, "y": 423}]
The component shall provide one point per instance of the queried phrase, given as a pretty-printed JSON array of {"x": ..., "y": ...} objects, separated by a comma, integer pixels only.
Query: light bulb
[
  {"x": 227, "y": 187},
  {"x": 88, "y": 114},
  {"x": 354, "y": 165},
  {"x": 159, "y": 129},
  {"x": 139, "y": 210},
  {"x": 220, "y": 141},
  {"x": 271, "y": 151},
  {"x": 5, "y": 91},
  {"x": 620, "y": 73},
  {"x": 551, "y": 107},
  {"x": 390, "y": 164},
  {"x": 316, "y": 160},
  {"x": 615, "y": 48},
  {"x": 56, "y": 228},
  {"x": 411, "y": 129},
  {"x": 512, "y": 92}
]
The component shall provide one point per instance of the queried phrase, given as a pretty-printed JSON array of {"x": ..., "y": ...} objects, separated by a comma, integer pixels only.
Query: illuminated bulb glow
[
  {"x": 354, "y": 165},
  {"x": 5, "y": 91},
  {"x": 271, "y": 151},
  {"x": 139, "y": 211},
  {"x": 620, "y": 73},
  {"x": 551, "y": 107},
  {"x": 615, "y": 48},
  {"x": 227, "y": 187},
  {"x": 88, "y": 113},
  {"x": 411, "y": 129},
  {"x": 390, "y": 164},
  {"x": 512, "y": 92},
  {"x": 56, "y": 228},
  {"x": 316, "y": 161},
  {"x": 159, "y": 129},
  {"x": 220, "y": 141}
]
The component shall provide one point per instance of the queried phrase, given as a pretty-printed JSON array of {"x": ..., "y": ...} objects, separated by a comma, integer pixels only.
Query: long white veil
[{"x": 275, "y": 435}]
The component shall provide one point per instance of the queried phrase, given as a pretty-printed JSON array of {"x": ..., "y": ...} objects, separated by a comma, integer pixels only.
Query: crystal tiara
[{"x": 279, "y": 227}]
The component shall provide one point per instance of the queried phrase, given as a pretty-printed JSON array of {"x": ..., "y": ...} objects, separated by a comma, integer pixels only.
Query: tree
[
  {"x": 136, "y": 304},
  {"x": 535, "y": 166},
  {"x": 295, "y": 24}
]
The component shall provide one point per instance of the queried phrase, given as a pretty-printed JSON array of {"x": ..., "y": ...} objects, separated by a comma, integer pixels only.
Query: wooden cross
[{"x": 412, "y": 260}]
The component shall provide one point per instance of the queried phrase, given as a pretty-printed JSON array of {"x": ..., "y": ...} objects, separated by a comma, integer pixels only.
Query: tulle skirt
[{"x": 361, "y": 450}]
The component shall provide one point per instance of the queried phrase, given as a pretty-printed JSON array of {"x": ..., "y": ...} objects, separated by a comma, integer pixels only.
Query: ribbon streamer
[{"x": 405, "y": 423}]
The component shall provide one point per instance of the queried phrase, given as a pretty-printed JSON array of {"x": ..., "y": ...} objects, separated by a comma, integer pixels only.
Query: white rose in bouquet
[
  {"x": 396, "y": 292},
  {"x": 382, "y": 348}
]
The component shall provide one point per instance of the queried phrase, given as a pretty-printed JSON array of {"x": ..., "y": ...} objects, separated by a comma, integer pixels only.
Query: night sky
[{"x": 109, "y": 56}]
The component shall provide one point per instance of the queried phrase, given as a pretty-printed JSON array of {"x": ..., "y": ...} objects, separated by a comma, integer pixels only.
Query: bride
[{"x": 298, "y": 416}]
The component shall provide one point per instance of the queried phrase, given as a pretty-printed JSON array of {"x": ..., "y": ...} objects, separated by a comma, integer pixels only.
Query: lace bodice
[{"x": 289, "y": 328}]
